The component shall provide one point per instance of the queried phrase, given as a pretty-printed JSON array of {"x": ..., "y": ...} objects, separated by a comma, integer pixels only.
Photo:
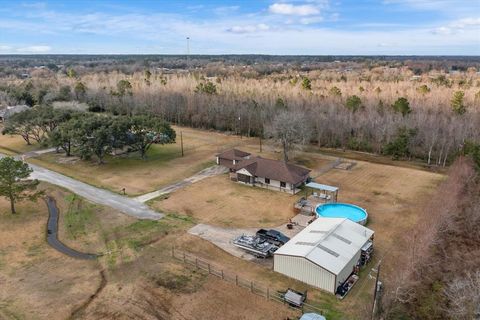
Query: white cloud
[
  {"x": 466, "y": 22},
  {"x": 5, "y": 47},
  {"x": 442, "y": 30},
  {"x": 267, "y": 33},
  {"x": 249, "y": 28},
  {"x": 458, "y": 26},
  {"x": 34, "y": 49},
  {"x": 294, "y": 10}
]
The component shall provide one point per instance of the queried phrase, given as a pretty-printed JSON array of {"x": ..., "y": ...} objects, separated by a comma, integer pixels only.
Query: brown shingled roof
[
  {"x": 233, "y": 154},
  {"x": 274, "y": 169}
]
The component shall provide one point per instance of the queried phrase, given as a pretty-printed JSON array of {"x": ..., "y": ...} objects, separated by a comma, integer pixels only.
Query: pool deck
[{"x": 307, "y": 206}]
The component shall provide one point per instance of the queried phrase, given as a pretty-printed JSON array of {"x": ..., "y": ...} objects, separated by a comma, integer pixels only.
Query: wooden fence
[{"x": 255, "y": 288}]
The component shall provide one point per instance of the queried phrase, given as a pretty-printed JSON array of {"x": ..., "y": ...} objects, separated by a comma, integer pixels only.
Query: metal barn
[{"x": 324, "y": 254}]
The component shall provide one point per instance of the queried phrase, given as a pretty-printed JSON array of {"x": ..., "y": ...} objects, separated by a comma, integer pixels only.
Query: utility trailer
[
  {"x": 257, "y": 246},
  {"x": 295, "y": 298}
]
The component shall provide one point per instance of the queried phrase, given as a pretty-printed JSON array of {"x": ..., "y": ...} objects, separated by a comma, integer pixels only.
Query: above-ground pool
[{"x": 342, "y": 210}]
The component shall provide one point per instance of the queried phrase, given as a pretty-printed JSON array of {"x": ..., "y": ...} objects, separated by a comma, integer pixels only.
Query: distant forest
[{"x": 403, "y": 106}]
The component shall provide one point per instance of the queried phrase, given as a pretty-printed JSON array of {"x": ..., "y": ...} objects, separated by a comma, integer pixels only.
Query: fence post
[
  {"x": 209, "y": 268},
  {"x": 236, "y": 280},
  {"x": 173, "y": 251},
  {"x": 184, "y": 259},
  {"x": 251, "y": 286},
  {"x": 223, "y": 277},
  {"x": 268, "y": 294},
  {"x": 196, "y": 263}
]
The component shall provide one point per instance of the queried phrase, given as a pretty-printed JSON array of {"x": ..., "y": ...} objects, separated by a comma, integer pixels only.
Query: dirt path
[
  {"x": 208, "y": 172},
  {"x": 77, "y": 311},
  {"x": 52, "y": 234}
]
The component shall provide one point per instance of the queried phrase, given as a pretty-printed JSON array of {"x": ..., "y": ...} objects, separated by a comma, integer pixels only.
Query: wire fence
[{"x": 255, "y": 288}]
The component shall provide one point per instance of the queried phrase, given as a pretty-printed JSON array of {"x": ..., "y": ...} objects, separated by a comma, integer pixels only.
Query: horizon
[
  {"x": 272, "y": 27},
  {"x": 242, "y": 54}
]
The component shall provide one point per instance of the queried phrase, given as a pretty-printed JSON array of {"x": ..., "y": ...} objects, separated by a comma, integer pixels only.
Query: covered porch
[{"x": 315, "y": 194}]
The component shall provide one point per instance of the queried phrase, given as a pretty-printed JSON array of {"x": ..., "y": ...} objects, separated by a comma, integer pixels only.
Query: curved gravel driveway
[{"x": 97, "y": 195}]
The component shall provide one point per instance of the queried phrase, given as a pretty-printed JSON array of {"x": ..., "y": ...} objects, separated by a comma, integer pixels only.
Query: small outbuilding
[
  {"x": 324, "y": 254},
  {"x": 10, "y": 111},
  {"x": 231, "y": 158}
]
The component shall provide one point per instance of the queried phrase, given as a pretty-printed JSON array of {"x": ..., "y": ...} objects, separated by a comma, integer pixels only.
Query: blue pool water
[{"x": 342, "y": 210}]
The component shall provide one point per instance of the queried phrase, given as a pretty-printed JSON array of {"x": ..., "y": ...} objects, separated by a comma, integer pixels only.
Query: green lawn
[{"x": 163, "y": 165}]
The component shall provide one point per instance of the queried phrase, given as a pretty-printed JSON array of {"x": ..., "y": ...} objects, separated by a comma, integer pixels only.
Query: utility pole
[
  {"x": 181, "y": 141},
  {"x": 374, "y": 304},
  {"x": 260, "y": 144}
]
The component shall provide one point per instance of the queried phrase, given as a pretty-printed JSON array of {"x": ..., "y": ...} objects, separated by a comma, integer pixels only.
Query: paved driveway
[
  {"x": 205, "y": 173},
  {"x": 104, "y": 197}
]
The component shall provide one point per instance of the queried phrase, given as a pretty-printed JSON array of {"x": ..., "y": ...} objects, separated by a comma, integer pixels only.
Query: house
[
  {"x": 325, "y": 253},
  {"x": 271, "y": 174},
  {"x": 10, "y": 111},
  {"x": 232, "y": 157}
]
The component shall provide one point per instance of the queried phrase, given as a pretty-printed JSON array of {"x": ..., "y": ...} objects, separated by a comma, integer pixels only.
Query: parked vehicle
[
  {"x": 255, "y": 245},
  {"x": 295, "y": 298},
  {"x": 273, "y": 236}
]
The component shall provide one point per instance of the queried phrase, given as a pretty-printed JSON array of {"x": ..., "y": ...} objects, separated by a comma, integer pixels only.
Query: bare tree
[
  {"x": 463, "y": 295},
  {"x": 290, "y": 129}
]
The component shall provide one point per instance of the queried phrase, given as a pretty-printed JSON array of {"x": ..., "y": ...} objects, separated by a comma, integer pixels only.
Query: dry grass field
[
  {"x": 141, "y": 279},
  {"x": 219, "y": 201},
  {"x": 13, "y": 144},
  {"x": 37, "y": 282}
]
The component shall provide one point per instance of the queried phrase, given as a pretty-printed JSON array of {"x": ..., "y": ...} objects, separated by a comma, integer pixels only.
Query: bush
[
  {"x": 402, "y": 105},
  {"x": 353, "y": 103},
  {"x": 207, "y": 87},
  {"x": 400, "y": 146},
  {"x": 457, "y": 103}
]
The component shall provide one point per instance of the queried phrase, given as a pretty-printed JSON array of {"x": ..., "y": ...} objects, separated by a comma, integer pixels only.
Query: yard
[
  {"x": 141, "y": 279},
  {"x": 164, "y": 164},
  {"x": 219, "y": 201},
  {"x": 138, "y": 263},
  {"x": 393, "y": 197},
  {"x": 14, "y": 144}
]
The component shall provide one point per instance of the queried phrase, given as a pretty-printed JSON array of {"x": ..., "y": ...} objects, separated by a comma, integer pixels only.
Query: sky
[{"x": 281, "y": 27}]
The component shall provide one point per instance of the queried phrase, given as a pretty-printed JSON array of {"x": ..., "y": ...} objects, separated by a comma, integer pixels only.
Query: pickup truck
[{"x": 273, "y": 236}]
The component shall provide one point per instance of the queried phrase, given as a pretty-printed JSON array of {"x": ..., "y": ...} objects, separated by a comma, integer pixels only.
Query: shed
[
  {"x": 324, "y": 254},
  {"x": 231, "y": 157}
]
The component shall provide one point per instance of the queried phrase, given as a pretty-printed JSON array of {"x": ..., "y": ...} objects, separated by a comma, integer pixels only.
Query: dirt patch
[
  {"x": 182, "y": 294},
  {"x": 90, "y": 299},
  {"x": 34, "y": 275}
]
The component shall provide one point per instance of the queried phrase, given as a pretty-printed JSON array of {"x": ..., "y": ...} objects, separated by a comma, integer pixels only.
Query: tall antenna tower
[{"x": 188, "y": 53}]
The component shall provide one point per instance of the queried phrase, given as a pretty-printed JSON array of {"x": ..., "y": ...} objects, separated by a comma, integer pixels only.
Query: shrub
[{"x": 353, "y": 103}]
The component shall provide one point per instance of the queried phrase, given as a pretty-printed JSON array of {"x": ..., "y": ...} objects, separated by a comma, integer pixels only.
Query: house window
[
  {"x": 267, "y": 181},
  {"x": 283, "y": 184}
]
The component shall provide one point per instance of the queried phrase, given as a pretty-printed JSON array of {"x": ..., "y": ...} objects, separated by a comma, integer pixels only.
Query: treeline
[
  {"x": 439, "y": 277},
  {"x": 379, "y": 110},
  {"x": 89, "y": 135}
]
